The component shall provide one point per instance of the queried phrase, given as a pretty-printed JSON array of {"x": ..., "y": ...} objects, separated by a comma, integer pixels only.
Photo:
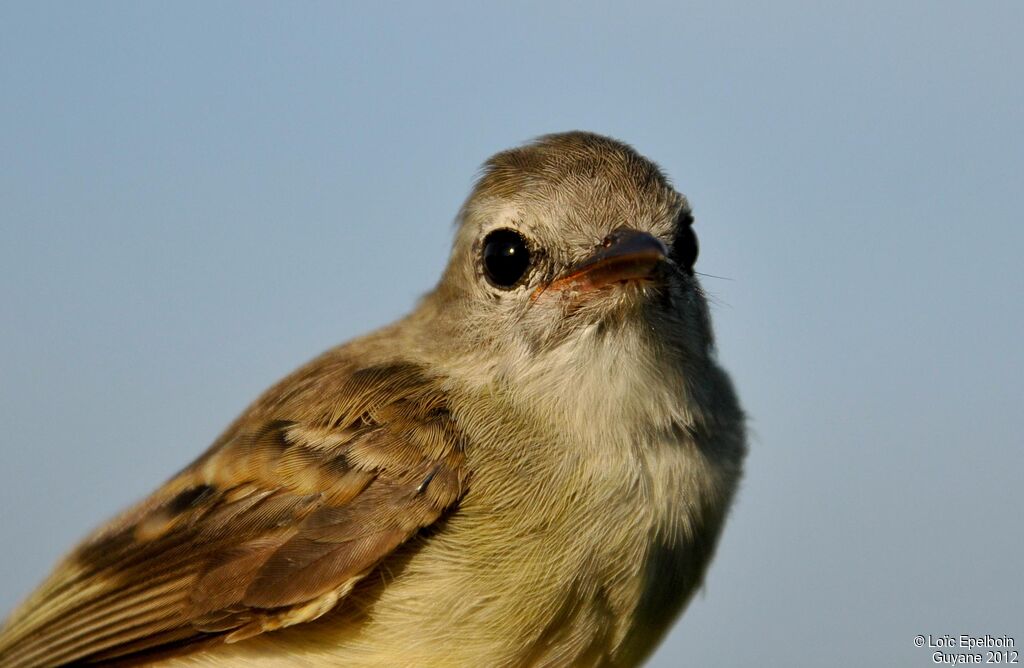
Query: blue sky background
[{"x": 195, "y": 198}]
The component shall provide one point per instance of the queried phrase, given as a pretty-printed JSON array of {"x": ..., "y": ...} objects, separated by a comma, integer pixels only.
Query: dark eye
[
  {"x": 684, "y": 246},
  {"x": 506, "y": 257}
]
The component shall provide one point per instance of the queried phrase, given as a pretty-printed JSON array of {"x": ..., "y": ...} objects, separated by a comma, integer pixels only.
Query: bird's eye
[
  {"x": 684, "y": 246},
  {"x": 506, "y": 257}
]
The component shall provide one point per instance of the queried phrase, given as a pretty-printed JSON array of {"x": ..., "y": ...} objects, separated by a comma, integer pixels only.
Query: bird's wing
[{"x": 303, "y": 496}]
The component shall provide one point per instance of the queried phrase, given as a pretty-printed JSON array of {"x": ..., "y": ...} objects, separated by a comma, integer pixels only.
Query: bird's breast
[{"x": 574, "y": 545}]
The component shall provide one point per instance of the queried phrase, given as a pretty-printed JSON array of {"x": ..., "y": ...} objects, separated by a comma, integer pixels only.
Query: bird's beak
[{"x": 625, "y": 255}]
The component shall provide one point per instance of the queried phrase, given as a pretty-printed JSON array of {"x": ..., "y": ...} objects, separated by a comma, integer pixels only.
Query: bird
[{"x": 531, "y": 468}]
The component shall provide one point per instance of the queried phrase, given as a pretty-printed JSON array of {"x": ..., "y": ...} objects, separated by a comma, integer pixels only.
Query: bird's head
[
  {"x": 571, "y": 248},
  {"x": 570, "y": 234}
]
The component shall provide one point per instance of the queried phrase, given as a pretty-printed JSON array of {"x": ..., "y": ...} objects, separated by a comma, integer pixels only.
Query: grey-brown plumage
[{"x": 532, "y": 468}]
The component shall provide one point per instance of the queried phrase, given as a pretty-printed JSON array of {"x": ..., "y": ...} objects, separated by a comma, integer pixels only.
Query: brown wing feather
[{"x": 317, "y": 483}]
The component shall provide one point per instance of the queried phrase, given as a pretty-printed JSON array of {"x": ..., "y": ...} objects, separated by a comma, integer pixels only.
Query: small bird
[{"x": 530, "y": 469}]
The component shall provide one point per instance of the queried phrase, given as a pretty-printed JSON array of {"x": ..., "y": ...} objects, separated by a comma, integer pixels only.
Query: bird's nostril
[{"x": 614, "y": 236}]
